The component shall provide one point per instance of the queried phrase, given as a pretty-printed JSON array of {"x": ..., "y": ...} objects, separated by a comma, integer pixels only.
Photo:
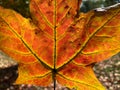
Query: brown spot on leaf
[
  {"x": 50, "y": 13},
  {"x": 66, "y": 7},
  {"x": 50, "y": 3},
  {"x": 38, "y": 32},
  {"x": 71, "y": 29}
]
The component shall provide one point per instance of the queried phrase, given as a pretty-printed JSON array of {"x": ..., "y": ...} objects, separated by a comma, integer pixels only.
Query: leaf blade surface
[{"x": 58, "y": 43}]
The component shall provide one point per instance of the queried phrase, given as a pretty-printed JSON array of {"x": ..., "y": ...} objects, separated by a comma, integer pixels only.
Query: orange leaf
[
  {"x": 79, "y": 77},
  {"x": 60, "y": 44}
]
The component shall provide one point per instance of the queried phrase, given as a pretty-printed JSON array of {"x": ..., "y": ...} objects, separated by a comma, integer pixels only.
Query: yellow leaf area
[
  {"x": 79, "y": 78},
  {"x": 59, "y": 43}
]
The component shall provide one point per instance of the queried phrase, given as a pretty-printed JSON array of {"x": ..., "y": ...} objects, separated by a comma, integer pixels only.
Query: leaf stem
[
  {"x": 54, "y": 83},
  {"x": 54, "y": 78}
]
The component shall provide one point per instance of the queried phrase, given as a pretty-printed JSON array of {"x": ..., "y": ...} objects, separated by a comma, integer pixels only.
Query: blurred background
[
  {"x": 21, "y": 6},
  {"x": 91, "y": 4}
]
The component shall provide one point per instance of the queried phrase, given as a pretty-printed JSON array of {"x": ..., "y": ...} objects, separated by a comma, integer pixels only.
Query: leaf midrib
[{"x": 55, "y": 45}]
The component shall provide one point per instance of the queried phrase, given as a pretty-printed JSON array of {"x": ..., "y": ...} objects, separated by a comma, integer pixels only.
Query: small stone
[
  {"x": 11, "y": 88},
  {"x": 6, "y": 77},
  {"x": 118, "y": 64},
  {"x": 116, "y": 74}
]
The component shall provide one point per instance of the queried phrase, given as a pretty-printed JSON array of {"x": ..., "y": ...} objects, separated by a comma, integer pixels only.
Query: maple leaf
[{"x": 59, "y": 43}]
